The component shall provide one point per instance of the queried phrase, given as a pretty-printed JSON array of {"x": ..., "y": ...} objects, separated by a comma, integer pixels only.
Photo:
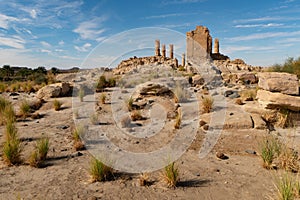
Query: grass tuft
[
  {"x": 171, "y": 175},
  {"x": 25, "y": 109},
  {"x": 270, "y": 149},
  {"x": 207, "y": 104},
  {"x": 12, "y": 151},
  {"x": 77, "y": 134},
  {"x": 99, "y": 171},
  {"x": 57, "y": 104}
]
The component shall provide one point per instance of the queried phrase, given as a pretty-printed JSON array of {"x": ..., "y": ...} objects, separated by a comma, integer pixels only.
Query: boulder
[
  {"x": 54, "y": 90},
  {"x": 197, "y": 80},
  {"x": 238, "y": 120},
  {"x": 151, "y": 88},
  {"x": 279, "y": 82},
  {"x": 248, "y": 78},
  {"x": 272, "y": 100}
]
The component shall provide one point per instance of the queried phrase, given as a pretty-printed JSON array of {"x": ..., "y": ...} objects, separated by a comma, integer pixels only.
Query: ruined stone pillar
[
  {"x": 171, "y": 51},
  {"x": 157, "y": 48},
  {"x": 183, "y": 59},
  {"x": 163, "y": 50},
  {"x": 216, "y": 46},
  {"x": 176, "y": 63}
]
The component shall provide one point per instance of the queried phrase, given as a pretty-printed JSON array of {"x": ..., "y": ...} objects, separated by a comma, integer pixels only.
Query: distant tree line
[
  {"x": 39, "y": 75},
  {"x": 291, "y": 65}
]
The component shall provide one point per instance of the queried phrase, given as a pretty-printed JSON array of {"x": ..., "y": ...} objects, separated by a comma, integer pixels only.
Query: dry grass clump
[
  {"x": 207, "y": 104},
  {"x": 136, "y": 115},
  {"x": 7, "y": 112},
  {"x": 171, "y": 175},
  {"x": 129, "y": 104},
  {"x": 12, "y": 146},
  {"x": 57, "y": 104},
  {"x": 39, "y": 155},
  {"x": 94, "y": 119},
  {"x": 103, "y": 98},
  {"x": 288, "y": 159},
  {"x": 248, "y": 95},
  {"x": 77, "y": 134},
  {"x": 81, "y": 94},
  {"x": 144, "y": 179},
  {"x": 178, "y": 120},
  {"x": 25, "y": 109},
  {"x": 239, "y": 102},
  {"x": 125, "y": 122},
  {"x": 180, "y": 94},
  {"x": 270, "y": 148},
  {"x": 284, "y": 118},
  {"x": 99, "y": 171}
]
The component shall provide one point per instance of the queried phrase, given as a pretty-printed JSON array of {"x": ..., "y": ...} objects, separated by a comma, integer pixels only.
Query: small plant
[
  {"x": 39, "y": 155},
  {"x": 81, "y": 94},
  {"x": 270, "y": 149},
  {"x": 178, "y": 120},
  {"x": 288, "y": 159},
  {"x": 207, "y": 104},
  {"x": 11, "y": 131},
  {"x": 144, "y": 179},
  {"x": 12, "y": 151},
  {"x": 94, "y": 119},
  {"x": 103, "y": 98},
  {"x": 77, "y": 134},
  {"x": 284, "y": 118},
  {"x": 171, "y": 175},
  {"x": 136, "y": 115},
  {"x": 285, "y": 187},
  {"x": 7, "y": 112},
  {"x": 24, "y": 109},
  {"x": 42, "y": 148},
  {"x": 239, "y": 102},
  {"x": 249, "y": 94},
  {"x": 130, "y": 104},
  {"x": 180, "y": 94},
  {"x": 99, "y": 171},
  {"x": 125, "y": 122},
  {"x": 57, "y": 104}
]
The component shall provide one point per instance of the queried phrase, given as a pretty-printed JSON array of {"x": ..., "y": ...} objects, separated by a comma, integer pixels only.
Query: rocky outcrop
[
  {"x": 132, "y": 63},
  {"x": 54, "y": 90},
  {"x": 284, "y": 83},
  {"x": 272, "y": 100}
]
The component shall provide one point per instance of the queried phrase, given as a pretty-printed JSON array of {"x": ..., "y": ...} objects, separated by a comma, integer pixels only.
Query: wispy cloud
[
  {"x": 91, "y": 30},
  {"x": 260, "y": 19},
  {"x": 5, "y": 20},
  {"x": 46, "y": 44},
  {"x": 258, "y": 25},
  {"x": 168, "y": 15},
  {"x": 15, "y": 42},
  {"x": 233, "y": 49},
  {"x": 83, "y": 48},
  {"x": 266, "y": 35},
  {"x": 168, "y": 2}
]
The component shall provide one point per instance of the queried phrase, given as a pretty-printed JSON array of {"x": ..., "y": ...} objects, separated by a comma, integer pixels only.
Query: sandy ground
[{"x": 66, "y": 174}]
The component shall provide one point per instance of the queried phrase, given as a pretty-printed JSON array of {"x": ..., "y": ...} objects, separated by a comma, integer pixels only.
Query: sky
[{"x": 63, "y": 33}]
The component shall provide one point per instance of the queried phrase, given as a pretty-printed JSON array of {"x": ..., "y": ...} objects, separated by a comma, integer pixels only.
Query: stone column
[
  {"x": 183, "y": 59},
  {"x": 157, "y": 48},
  {"x": 176, "y": 63},
  {"x": 171, "y": 51},
  {"x": 216, "y": 46},
  {"x": 163, "y": 50}
]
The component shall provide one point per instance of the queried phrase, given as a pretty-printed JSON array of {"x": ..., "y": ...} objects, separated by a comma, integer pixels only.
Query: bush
[
  {"x": 99, "y": 171},
  {"x": 270, "y": 149},
  {"x": 207, "y": 104},
  {"x": 290, "y": 65},
  {"x": 57, "y": 104},
  {"x": 39, "y": 155}
]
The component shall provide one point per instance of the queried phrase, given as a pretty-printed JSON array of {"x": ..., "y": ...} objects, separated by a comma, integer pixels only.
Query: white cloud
[
  {"x": 45, "y": 44},
  {"x": 83, "y": 48},
  {"x": 33, "y": 13},
  {"x": 266, "y": 35},
  {"x": 90, "y": 30},
  {"x": 168, "y": 2},
  {"x": 45, "y": 51},
  {"x": 14, "y": 42},
  {"x": 232, "y": 49},
  {"x": 61, "y": 43},
  {"x": 5, "y": 20},
  {"x": 258, "y": 25}
]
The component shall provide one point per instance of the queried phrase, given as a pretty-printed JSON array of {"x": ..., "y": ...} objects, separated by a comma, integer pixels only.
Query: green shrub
[
  {"x": 285, "y": 187},
  {"x": 290, "y": 65},
  {"x": 270, "y": 148},
  {"x": 171, "y": 175}
]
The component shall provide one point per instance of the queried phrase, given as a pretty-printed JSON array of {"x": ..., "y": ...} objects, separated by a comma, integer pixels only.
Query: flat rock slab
[
  {"x": 259, "y": 123},
  {"x": 272, "y": 100},
  {"x": 238, "y": 120}
]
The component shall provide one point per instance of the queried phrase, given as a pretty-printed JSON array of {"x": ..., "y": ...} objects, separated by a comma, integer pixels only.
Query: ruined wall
[{"x": 199, "y": 44}]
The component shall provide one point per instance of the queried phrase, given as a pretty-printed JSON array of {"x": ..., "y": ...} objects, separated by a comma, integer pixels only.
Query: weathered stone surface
[
  {"x": 247, "y": 78},
  {"x": 272, "y": 100},
  {"x": 150, "y": 89},
  {"x": 54, "y": 90},
  {"x": 238, "y": 120},
  {"x": 197, "y": 80},
  {"x": 279, "y": 82},
  {"x": 259, "y": 123}
]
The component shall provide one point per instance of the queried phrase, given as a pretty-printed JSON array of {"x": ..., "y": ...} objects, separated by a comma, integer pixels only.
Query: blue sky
[{"x": 61, "y": 33}]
